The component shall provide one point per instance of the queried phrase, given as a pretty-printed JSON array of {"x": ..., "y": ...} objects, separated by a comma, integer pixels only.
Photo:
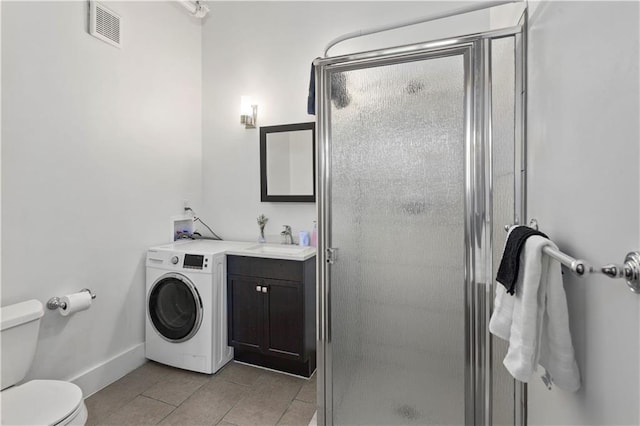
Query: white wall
[
  {"x": 0, "y": 149},
  {"x": 265, "y": 49},
  {"x": 99, "y": 148},
  {"x": 583, "y": 187}
]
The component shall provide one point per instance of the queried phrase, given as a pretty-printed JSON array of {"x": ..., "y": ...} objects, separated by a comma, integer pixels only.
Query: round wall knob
[
  {"x": 175, "y": 260},
  {"x": 632, "y": 271}
]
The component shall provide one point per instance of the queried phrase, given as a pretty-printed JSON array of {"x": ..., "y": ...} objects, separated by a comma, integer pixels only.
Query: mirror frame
[{"x": 264, "y": 131}]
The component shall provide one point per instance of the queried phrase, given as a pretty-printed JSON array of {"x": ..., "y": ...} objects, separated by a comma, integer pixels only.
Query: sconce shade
[
  {"x": 245, "y": 105},
  {"x": 248, "y": 112}
]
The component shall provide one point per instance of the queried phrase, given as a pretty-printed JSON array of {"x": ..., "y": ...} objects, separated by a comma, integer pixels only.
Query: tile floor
[{"x": 237, "y": 395}]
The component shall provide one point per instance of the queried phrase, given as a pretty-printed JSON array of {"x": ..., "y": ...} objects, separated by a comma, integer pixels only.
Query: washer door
[{"x": 175, "y": 307}]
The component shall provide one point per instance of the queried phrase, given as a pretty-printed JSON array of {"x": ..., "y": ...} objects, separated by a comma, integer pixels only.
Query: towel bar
[{"x": 629, "y": 270}]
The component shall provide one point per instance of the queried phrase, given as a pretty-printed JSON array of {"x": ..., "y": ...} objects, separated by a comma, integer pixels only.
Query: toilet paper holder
[{"x": 55, "y": 303}]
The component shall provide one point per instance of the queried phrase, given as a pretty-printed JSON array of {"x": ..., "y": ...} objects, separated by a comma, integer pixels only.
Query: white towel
[{"x": 535, "y": 320}]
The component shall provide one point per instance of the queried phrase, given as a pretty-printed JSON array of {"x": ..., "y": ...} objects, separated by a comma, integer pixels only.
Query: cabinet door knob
[
  {"x": 264, "y": 289},
  {"x": 258, "y": 288}
]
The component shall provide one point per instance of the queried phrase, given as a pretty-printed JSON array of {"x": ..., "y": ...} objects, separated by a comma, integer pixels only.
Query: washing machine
[{"x": 186, "y": 305}]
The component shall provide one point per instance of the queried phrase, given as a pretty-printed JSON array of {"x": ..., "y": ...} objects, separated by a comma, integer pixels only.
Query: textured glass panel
[
  {"x": 503, "y": 119},
  {"x": 397, "y": 200}
]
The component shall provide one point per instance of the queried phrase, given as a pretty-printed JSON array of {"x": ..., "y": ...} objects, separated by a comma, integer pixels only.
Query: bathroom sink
[{"x": 277, "y": 251}]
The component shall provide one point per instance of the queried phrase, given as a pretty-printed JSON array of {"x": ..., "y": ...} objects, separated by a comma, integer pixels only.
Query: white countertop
[
  {"x": 203, "y": 246},
  {"x": 275, "y": 251},
  {"x": 239, "y": 248}
]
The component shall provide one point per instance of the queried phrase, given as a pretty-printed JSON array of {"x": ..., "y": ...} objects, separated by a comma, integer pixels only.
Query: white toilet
[{"x": 37, "y": 402}]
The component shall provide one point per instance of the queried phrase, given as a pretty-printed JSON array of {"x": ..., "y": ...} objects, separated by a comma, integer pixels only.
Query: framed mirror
[{"x": 288, "y": 163}]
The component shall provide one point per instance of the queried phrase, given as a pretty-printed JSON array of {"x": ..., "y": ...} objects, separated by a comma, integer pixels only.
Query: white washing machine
[{"x": 186, "y": 320}]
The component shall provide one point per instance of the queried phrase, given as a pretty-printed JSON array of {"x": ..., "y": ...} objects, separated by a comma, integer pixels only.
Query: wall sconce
[{"x": 248, "y": 112}]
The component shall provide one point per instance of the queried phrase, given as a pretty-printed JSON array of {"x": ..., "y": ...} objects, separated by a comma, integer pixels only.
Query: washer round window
[{"x": 175, "y": 308}]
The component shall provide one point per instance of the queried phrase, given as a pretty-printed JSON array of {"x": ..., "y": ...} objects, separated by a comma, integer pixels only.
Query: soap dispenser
[{"x": 314, "y": 235}]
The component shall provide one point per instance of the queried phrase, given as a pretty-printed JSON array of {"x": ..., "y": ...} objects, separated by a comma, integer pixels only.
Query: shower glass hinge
[{"x": 332, "y": 255}]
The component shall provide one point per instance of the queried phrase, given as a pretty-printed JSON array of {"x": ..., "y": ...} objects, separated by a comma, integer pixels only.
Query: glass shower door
[{"x": 398, "y": 293}]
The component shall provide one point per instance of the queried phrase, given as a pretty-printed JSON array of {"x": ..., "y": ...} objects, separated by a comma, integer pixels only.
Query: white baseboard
[{"x": 107, "y": 372}]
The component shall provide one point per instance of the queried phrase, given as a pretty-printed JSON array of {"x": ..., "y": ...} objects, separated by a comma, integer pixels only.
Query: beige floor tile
[
  {"x": 238, "y": 395},
  {"x": 298, "y": 414},
  {"x": 257, "y": 410},
  {"x": 103, "y": 403},
  {"x": 240, "y": 373},
  {"x": 176, "y": 386},
  {"x": 268, "y": 400},
  {"x": 147, "y": 375},
  {"x": 140, "y": 411},
  {"x": 208, "y": 405},
  {"x": 278, "y": 386},
  {"x": 308, "y": 392}
]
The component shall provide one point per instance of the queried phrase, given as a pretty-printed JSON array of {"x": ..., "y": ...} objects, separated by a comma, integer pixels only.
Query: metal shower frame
[{"x": 476, "y": 50}]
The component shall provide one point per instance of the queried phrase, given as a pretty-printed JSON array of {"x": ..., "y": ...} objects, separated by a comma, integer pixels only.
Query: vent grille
[{"x": 105, "y": 24}]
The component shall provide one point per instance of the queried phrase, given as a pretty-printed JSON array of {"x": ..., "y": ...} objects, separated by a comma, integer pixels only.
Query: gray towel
[{"x": 510, "y": 263}]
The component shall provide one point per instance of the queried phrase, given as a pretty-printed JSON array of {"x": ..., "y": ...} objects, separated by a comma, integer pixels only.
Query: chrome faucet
[{"x": 287, "y": 238}]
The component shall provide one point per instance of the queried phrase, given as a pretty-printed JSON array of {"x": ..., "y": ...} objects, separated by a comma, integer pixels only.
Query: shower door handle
[{"x": 332, "y": 255}]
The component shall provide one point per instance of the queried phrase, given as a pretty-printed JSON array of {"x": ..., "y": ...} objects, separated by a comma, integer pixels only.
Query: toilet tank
[{"x": 20, "y": 324}]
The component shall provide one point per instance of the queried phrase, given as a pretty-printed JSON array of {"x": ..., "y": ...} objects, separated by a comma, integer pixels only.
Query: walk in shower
[{"x": 420, "y": 167}]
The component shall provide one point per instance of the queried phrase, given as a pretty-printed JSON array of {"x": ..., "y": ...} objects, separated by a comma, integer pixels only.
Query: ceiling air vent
[{"x": 105, "y": 24}]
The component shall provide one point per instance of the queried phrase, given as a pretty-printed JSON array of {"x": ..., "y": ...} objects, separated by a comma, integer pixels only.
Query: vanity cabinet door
[
  {"x": 271, "y": 309},
  {"x": 284, "y": 315},
  {"x": 246, "y": 311}
]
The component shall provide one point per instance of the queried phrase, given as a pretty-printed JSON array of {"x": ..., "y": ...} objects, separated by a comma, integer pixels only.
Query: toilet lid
[{"x": 39, "y": 402}]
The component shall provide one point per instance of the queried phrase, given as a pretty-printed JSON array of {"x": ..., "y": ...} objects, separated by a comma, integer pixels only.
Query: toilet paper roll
[{"x": 75, "y": 302}]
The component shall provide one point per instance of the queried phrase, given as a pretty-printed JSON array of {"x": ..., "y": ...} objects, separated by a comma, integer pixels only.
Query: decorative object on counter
[
  {"x": 314, "y": 234},
  {"x": 303, "y": 238},
  {"x": 262, "y": 221},
  {"x": 287, "y": 238}
]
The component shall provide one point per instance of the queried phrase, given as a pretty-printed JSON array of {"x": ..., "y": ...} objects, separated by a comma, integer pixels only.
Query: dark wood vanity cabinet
[
  {"x": 245, "y": 310},
  {"x": 271, "y": 312}
]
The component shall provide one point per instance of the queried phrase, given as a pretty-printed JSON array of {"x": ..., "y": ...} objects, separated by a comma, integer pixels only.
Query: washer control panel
[
  {"x": 194, "y": 261},
  {"x": 172, "y": 260}
]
